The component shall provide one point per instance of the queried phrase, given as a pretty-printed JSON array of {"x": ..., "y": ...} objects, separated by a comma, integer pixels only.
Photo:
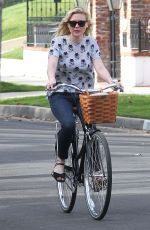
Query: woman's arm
[
  {"x": 102, "y": 72},
  {"x": 51, "y": 71}
]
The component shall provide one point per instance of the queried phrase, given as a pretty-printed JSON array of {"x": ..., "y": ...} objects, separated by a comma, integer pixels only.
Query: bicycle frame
[
  {"x": 80, "y": 155},
  {"x": 90, "y": 166}
]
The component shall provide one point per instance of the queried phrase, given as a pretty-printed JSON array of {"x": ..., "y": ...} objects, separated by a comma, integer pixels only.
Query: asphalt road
[{"x": 28, "y": 199}]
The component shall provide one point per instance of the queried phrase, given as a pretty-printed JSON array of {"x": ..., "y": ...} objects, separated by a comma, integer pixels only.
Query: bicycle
[{"x": 88, "y": 165}]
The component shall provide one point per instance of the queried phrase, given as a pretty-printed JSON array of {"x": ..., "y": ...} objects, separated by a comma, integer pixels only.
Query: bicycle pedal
[
  {"x": 68, "y": 168},
  {"x": 80, "y": 184}
]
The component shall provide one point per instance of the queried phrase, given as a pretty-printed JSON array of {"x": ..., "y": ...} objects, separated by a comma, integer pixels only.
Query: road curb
[
  {"x": 33, "y": 112},
  {"x": 28, "y": 112},
  {"x": 130, "y": 123}
]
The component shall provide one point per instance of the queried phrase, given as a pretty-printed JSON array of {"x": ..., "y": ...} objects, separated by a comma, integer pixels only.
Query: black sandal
[{"x": 59, "y": 177}]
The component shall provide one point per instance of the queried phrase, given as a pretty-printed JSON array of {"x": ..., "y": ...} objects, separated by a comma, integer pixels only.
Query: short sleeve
[
  {"x": 54, "y": 48},
  {"x": 95, "y": 50}
]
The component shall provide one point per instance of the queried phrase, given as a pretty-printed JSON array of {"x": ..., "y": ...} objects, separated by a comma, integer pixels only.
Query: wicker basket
[{"x": 99, "y": 108}]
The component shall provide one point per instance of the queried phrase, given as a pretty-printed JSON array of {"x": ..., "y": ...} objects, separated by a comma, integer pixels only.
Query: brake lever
[{"x": 120, "y": 88}]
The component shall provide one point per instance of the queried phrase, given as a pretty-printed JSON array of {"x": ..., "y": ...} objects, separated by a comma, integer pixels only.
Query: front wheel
[{"x": 97, "y": 175}]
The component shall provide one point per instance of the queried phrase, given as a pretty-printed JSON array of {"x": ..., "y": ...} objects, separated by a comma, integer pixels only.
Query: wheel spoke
[
  {"x": 67, "y": 190},
  {"x": 97, "y": 176}
]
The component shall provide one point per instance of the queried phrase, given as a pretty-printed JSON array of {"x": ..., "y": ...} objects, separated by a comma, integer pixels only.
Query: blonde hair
[{"x": 63, "y": 27}]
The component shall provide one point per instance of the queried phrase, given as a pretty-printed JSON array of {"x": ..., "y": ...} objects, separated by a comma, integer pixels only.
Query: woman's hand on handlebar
[
  {"x": 118, "y": 86},
  {"x": 51, "y": 83}
]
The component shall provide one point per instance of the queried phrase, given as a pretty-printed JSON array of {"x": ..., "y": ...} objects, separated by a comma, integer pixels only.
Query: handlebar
[
  {"x": 114, "y": 86},
  {"x": 66, "y": 88}
]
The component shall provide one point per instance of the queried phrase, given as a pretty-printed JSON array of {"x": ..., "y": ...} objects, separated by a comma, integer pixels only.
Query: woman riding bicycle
[{"x": 73, "y": 56}]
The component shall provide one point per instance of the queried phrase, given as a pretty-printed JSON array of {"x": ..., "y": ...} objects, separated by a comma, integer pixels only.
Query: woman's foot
[{"x": 58, "y": 171}]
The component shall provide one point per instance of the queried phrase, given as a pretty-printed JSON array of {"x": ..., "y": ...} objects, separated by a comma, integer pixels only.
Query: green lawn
[
  {"x": 11, "y": 87},
  {"x": 128, "y": 105},
  {"x": 31, "y": 101},
  {"x": 14, "y": 18},
  {"x": 14, "y": 54},
  {"x": 14, "y": 21},
  {"x": 131, "y": 105}
]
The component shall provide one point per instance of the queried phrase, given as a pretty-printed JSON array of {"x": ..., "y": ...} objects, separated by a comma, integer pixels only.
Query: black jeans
[{"x": 62, "y": 108}]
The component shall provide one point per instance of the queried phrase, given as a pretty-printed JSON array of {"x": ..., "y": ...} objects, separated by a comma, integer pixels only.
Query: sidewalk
[
  {"x": 9, "y": 45},
  {"x": 13, "y": 70},
  {"x": 15, "y": 73},
  {"x": 21, "y": 94}
]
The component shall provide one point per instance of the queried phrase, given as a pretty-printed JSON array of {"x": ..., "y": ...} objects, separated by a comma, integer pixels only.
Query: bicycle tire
[
  {"x": 97, "y": 175},
  {"x": 67, "y": 190}
]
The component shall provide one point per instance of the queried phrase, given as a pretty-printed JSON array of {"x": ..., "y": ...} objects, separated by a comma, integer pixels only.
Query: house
[
  {"x": 132, "y": 39},
  {"x": 123, "y": 36}
]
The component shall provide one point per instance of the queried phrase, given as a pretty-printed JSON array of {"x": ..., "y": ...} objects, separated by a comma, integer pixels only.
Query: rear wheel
[
  {"x": 97, "y": 175},
  {"x": 67, "y": 190}
]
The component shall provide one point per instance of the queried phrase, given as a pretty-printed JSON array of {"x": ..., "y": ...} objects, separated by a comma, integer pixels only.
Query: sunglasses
[{"x": 74, "y": 23}]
